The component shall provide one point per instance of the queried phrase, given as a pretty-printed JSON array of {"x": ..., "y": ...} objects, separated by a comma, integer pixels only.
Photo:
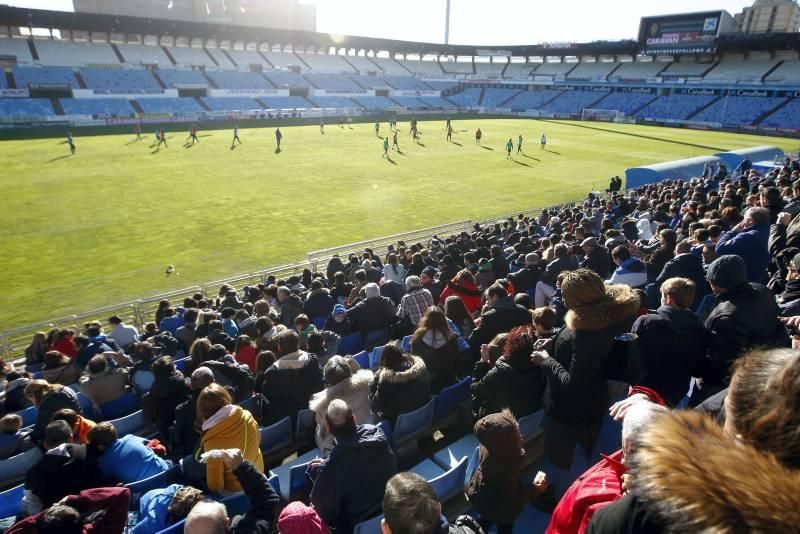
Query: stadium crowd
[{"x": 671, "y": 308}]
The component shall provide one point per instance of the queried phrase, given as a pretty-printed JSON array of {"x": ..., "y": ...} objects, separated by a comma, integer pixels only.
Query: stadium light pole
[{"x": 447, "y": 23}]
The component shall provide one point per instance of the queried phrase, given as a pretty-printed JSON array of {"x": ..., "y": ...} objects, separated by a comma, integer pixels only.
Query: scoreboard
[{"x": 690, "y": 33}]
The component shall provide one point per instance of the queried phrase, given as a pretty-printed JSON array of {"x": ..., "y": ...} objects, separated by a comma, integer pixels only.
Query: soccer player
[
  {"x": 71, "y": 143},
  {"x": 278, "y": 137},
  {"x": 447, "y": 126},
  {"x": 394, "y": 142},
  {"x": 322, "y": 126},
  {"x": 449, "y": 131},
  {"x": 509, "y": 147},
  {"x": 170, "y": 270},
  {"x": 377, "y": 128},
  {"x": 478, "y": 135},
  {"x": 519, "y": 144},
  {"x": 235, "y": 135},
  {"x": 162, "y": 139},
  {"x": 341, "y": 122},
  {"x": 193, "y": 134},
  {"x": 158, "y": 136},
  {"x": 137, "y": 129},
  {"x": 386, "y": 147},
  {"x": 349, "y": 122},
  {"x": 543, "y": 141}
]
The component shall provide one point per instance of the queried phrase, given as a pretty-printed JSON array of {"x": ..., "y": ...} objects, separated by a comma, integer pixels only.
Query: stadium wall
[{"x": 683, "y": 169}]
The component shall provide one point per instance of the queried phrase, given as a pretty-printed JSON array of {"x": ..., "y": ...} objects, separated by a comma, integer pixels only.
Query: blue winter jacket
[
  {"x": 752, "y": 245},
  {"x": 129, "y": 459},
  {"x": 153, "y": 509}
]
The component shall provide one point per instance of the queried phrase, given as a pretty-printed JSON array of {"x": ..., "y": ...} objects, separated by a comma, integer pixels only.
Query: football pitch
[{"x": 84, "y": 231}]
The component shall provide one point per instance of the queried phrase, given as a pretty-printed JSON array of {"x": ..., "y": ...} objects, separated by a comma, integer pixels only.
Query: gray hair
[
  {"x": 207, "y": 517},
  {"x": 201, "y": 377},
  {"x": 372, "y": 290},
  {"x": 284, "y": 290},
  {"x": 637, "y": 419},
  {"x": 338, "y": 412},
  {"x": 336, "y": 370},
  {"x": 413, "y": 282}
]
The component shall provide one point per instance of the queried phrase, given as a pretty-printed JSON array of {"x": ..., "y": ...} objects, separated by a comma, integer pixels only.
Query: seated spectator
[
  {"x": 401, "y": 384},
  {"x": 97, "y": 510},
  {"x": 500, "y": 314},
  {"x": 64, "y": 342},
  {"x": 415, "y": 302},
  {"x": 65, "y": 469},
  {"x": 162, "y": 507},
  {"x": 141, "y": 373},
  {"x": 124, "y": 459},
  {"x": 124, "y": 335},
  {"x": 80, "y": 425},
  {"x": 209, "y": 517},
  {"x": 187, "y": 333},
  {"x": 496, "y": 490},
  {"x": 184, "y": 435},
  {"x": 229, "y": 325},
  {"x": 463, "y": 285},
  {"x": 290, "y": 306},
  {"x": 246, "y": 352},
  {"x": 104, "y": 384},
  {"x": 34, "y": 353},
  {"x": 48, "y": 399},
  {"x": 346, "y": 381},
  {"x": 168, "y": 391},
  {"x": 12, "y": 441},
  {"x": 429, "y": 282},
  {"x": 92, "y": 345},
  {"x": 436, "y": 344},
  {"x": 59, "y": 369},
  {"x": 338, "y": 322},
  {"x": 393, "y": 270},
  {"x": 229, "y": 374},
  {"x": 630, "y": 271},
  {"x": 511, "y": 382},
  {"x": 664, "y": 251},
  {"x": 525, "y": 279},
  {"x": 485, "y": 276},
  {"x": 546, "y": 287},
  {"x": 290, "y": 382},
  {"x": 373, "y": 313},
  {"x": 171, "y": 321},
  {"x": 15, "y": 399},
  {"x": 789, "y": 299},
  {"x": 304, "y": 328},
  {"x": 596, "y": 258},
  {"x": 544, "y": 322},
  {"x": 456, "y": 311},
  {"x": 348, "y": 486},
  {"x": 319, "y": 302},
  {"x": 749, "y": 240},
  {"x": 685, "y": 264},
  {"x": 341, "y": 289},
  {"x": 297, "y": 518},
  {"x": 410, "y": 505},
  {"x": 323, "y": 345}
]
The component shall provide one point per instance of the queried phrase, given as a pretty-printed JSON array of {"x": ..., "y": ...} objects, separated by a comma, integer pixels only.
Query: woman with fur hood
[
  {"x": 574, "y": 362},
  {"x": 437, "y": 345},
  {"x": 401, "y": 384},
  {"x": 689, "y": 474},
  {"x": 344, "y": 380}
]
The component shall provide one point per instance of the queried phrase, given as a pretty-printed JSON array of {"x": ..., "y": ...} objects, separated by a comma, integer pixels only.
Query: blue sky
[{"x": 481, "y": 22}]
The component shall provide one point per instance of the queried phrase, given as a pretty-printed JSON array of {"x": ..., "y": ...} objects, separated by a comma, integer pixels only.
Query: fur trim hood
[
  {"x": 699, "y": 479},
  {"x": 346, "y": 389},
  {"x": 620, "y": 303},
  {"x": 414, "y": 371}
]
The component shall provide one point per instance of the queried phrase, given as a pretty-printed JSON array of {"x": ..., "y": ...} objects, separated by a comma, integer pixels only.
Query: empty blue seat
[
  {"x": 375, "y": 338},
  {"x": 125, "y": 405},
  {"x": 130, "y": 424},
  {"x": 28, "y": 415},
  {"x": 370, "y": 526},
  {"x": 412, "y": 425},
  {"x": 451, "y": 483},
  {"x": 11, "y": 501},
  {"x": 14, "y": 468},
  {"x": 406, "y": 344},
  {"x": 427, "y": 469},
  {"x": 284, "y": 472},
  {"x": 362, "y": 359},
  {"x": 375, "y": 357},
  {"x": 451, "y": 397},
  {"x": 351, "y": 344},
  {"x": 276, "y": 436},
  {"x": 305, "y": 427},
  {"x": 250, "y": 404},
  {"x": 449, "y": 457},
  {"x": 530, "y": 425},
  {"x": 472, "y": 466}
]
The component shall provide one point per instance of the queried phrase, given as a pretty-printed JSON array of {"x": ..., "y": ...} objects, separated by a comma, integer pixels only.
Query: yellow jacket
[{"x": 238, "y": 430}]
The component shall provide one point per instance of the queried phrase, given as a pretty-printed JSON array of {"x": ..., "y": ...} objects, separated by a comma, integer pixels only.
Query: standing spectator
[
  {"x": 463, "y": 285},
  {"x": 59, "y": 369},
  {"x": 348, "y": 486},
  {"x": 124, "y": 335},
  {"x": 48, "y": 399},
  {"x": 685, "y": 264},
  {"x": 789, "y": 299},
  {"x": 290, "y": 306},
  {"x": 184, "y": 434},
  {"x": 660, "y": 256},
  {"x": 500, "y": 314},
  {"x": 401, "y": 384},
  {"x": 124, "y": 459},
  {"x": 415, "y": 302},
  {"x": 596, "y": 258},
  {"x": 436, "y": 344},
  {"x": 103, "y": 384},
  {"x": 456, "y": 312},
  {"x": 750, "y": 240}
]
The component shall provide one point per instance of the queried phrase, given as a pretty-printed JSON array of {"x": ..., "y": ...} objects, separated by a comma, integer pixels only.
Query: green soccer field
[{"x": 100, "y": 227}]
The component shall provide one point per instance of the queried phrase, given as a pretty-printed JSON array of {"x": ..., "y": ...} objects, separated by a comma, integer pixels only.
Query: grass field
[{"x": 79, "y": 232}]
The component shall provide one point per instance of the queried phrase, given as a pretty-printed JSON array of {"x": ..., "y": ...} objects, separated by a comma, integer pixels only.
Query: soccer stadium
[{"x": 261, "y": 275}]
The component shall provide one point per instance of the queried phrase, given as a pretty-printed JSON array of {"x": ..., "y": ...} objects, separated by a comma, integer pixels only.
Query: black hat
[{"x": 727, "y": 271}]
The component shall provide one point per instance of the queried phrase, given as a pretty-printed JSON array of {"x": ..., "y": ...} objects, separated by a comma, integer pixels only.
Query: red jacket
[
  {"x": 465, "y": 289},
  {"x": 598, "y": 487},
  {"x": 113, "y": 500},
  {"x": 66, "y": 346},
  {"x": 247, "y": 355}
]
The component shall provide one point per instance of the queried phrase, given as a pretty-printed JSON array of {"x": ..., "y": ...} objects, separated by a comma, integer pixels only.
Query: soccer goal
[{"x": 605, "y": 115}]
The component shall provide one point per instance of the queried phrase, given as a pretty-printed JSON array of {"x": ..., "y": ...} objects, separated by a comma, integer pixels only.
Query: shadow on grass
[
  {"x": 641, "y": 136},
  {"x": 278, "y": 150},
  {"x": 205, "y": 135},
  {"x": 65, "y": 156},
  {"x": 456, "y": 143},
  {"x": 401, "y": 152},
  {"x": 233, "y": 147},
  {"x": 132, "y": 142},
  {"x": 552, "y": 151},
  {"x": 487, "y": 148},
  {"x": 520, "y": 162},
  {"x": 188, "y": 145},
  {"x": 420, "y": 143},
  {"x": 530, "y": 157},
  {"x": 390, "y": 160}
]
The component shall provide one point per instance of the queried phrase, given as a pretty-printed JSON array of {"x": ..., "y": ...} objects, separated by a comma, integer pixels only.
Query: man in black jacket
[
  {"x": 526, "y": 278},
  {"x": 209, "y": 517},
  {"x": 685, "y": 264},
  {"x": 500, "y": 315},
  {"x": 597, "y": 258},
  {"x": 661, "y": 255},
  {"x": 184, "y": 435},
  {"x": 373, "y": 313}
]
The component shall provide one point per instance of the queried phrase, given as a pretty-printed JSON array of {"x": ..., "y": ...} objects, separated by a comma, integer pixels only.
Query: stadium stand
[
  {"x": 410, "y": 102},
  {"x": 285, "y": 78},
  {"x": 333, "y": 82},
  {"x": 437, "y": 102},
  {"x": 16, "y": 48},
  {"x": 96, "y": 106},
  {"x": 787, "y": 73},
  {"x": 374, "y": 102},
  {"x": 469, "y": 97},
  {"x": 286, "y": 102},
  {"x": 245, "y": 58},
  {"x": 118, "y": 79},
  {"x": 423, "y": 67},
  {"x": 687, "y": 68},
  {"x": 371, "y": 82},
  {"x": 45, "y": 76},
  {"x": 638, "y": 70},
  {"x": 25, "y": 107},
  {"x": 493, "y": 97},
  {"x": 238, "y": 80},
  {"x": 326, "y": 63},
  {"x": 363, "y": 64},
  {"x": 574, "y": 101},
  {"x": 407, "y": 83},
  {"x": 341, "y": 102},
  {"x": 283, "y": 60},
  {"x": 532, "y": 99},
  {"x": 625, "y": 102},
  {"x": 442, "y": 85},
  {"x": 736, "y": 69},
  {"x": 554, "y": 68},
  {"x": 3, "y": 81},
  {"x": 222, "y": 60},
  {"x": 491, "y": 70},
  {"x": 592, "y": 71},
  {"x": 457, "y": 67},
  {"x": 738, "y": 110},
  {"x": 173, "y": 78},
  {"x": 74, "y": 53},
  {"x": 169, "y": 105},
  {"x": 390, "y": 66},
  {"x": 518, "y": 71},
  {"x": 675, "y": 106},
  {"x": 135, "y": 54},
  {"x": 231, "y": 103},
  {"x": 190, "y": 56},
  {"x": 786, "y": 117}
]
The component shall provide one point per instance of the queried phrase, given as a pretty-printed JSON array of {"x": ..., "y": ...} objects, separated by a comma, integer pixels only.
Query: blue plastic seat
[
  {"x": 249, "y": 404},
  {"x": 362, "y": 359},
  {"x": 88, "y": 409},
  {"x": 451, "y": 483},
  {"x": 11, "y": 501},
  {"x": 28, "y": 415},
  {"x": 530, "y": 425},
  {"x": 130, "y": 424},
  {"x": 370, "y": 526},
  {"x": 276, "y": 436},
  {"x": 143, "y": 381},
  {"x": 125, "y": 405},
  {"x": 174, "y": 529},
  {"x": 531, "y": 520},
  {"x": 284, "y": 472},
  {"x": 236, "y": 504},
  {"x": 161, "y": 480},
  {"x": 351, "y": 344},
  {"x": 412, "y": 425},
  {"x": 75, "y": 386},
  {"x": 305, "y": 427},
  {"x": 472, "y": 466},
  {"x": 14, "y": 468},
  {"x": 375, "y": 338},
  {"x": 406, "y": 344},
  {"x": 450, "y": 398},
  {"x": 180, "y": 365},
  {"x": 427, "y": 469},
  {"x": 449, "y": 457},
  {"x": 375, "y": 357}
]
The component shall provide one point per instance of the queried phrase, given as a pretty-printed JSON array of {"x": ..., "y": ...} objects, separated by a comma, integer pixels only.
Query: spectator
[
  {"x": 746, "y": 316},
  {"x": 184, "y": 435},
  {"x": 545, "y": 288},
  {"x": 338, "y": 322},
  {"x": 749, "y": 239},
  {"x": 436, "y": 344},
  {"x": 348, "y": 486},
  {"x": 346, "y": 381},
  {"x": 97, "y": 510},
  {"x": 373, "y": 275},
  {"x": 290, "y": 382},
  {"x": 485, "y": 276},
  {"x": 141, "y": 374},
  {"x": 319, "y": 302},
  {"x": 15, "y": 399},
  {"x": 229, "y": 374},
  {"x": 662, "y": 254},
  {"x": 59, "y": 369},
  {"x": 525, "y": 279},
  {"x": 596, "y": 258},
  {"x": 341, "y": 289},
  {"x": 64, "y": 342},
  {"x": 456, "y": 311},
  {"x": 65, "y": 469},
  {"x": 401, "y": 384},
  {"x": 672, "y": 342},
  {"x": 685, "y": 265},
  {"x": 630, "y": 271},
  {"x": 290, "y": 306},
  {"x": 576, "y": 397},
  {"x": 299, "y": 518},
  {"x": 246, "y": 352},
  {"x": 12, "y": 441},
  {"x": 499, "y": 315},
  {"x": 34, "y": 353},
  {"x": 304, "y": 328},
  {"x": 226, "y": 426},
  {"x": 161, "y": 311},
  {"x": 393, "y": 270},
  {"x": 374, "y": 313},
  {"x": 429, "y": 282},
  {"x": 208, "y": 517},
  {"x": 124, "y": 459},
  {"x": 159, "y": 508},
  {"x": 171, "y": 321},
  {"x": 187, "y": 333},
  {"x": 463, "y": 286},
  {"x": 512, "y": 381},
  {"x": 229, "y": 325},
  {"x": 789, "y": 299},
  {"x": 415, "y": 302},
  {"x": 48, "y": 399},
  {"x": 124, "y": 335},
  {"x": 80, "y": 425},
  {"x": 103, "y": 384},
  {"x": 168, "y": 391},
  {"x": 496, "y": 490}
]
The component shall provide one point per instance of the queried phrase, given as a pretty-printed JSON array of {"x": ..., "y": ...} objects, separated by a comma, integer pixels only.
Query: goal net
[{"x": 605, "y": 115}]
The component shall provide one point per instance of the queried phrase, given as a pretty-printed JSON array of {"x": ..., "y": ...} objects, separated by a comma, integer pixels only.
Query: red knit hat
[{"x": 297, "y": 518}]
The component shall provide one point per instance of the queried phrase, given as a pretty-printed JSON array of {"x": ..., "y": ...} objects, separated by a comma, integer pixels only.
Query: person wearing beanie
[
  {"x": 750, "y": 240},
  {"x": 297, "y": 518},
  {"x": 745, "y": 316},
  {"x": 496, "y": 490},
  {"x": 429, "y": 282},
  {"x": 375, "y": 313},
  {"x": 485, "y": 276},
  {"x": 338, "y": 323}
]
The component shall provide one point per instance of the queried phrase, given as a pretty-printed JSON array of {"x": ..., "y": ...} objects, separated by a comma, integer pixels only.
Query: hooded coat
[
  {"x": 466, "y": 290},
  {"x": 355, "y": 392},
  {"x": 289, "y": 384},
  {"x": 230, "y": 428},
  {"x": 500, "y": 318},
  {"x": 516, "y": 385},
  {"x": 439, "y": 351},
  {"x": 319, "y": 303},
  {"x": 686, "y": 265},
  {"x": 396, "y": 392}
]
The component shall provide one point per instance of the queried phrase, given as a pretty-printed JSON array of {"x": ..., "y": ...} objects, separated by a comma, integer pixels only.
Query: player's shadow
[
  {"x": 233, "y": 147},
  {"x": 456, "y": 143},
  {"x": 278, "y": 150},
  {"x": 132, "y": 142},
  {"x": 401, "y": 152},
  {"x": 420, "y": 144},
  {"x": 552, "y": 151},
  {"x": 65, "y": 156},
  {"x": 520, "y": 162},
  {"x": 487, "y": 148},
  {"x": 188, "y": 145},
  {"x": 530, "y": 157},
  {"x": 390, "y": 160},
  {"x": 204, "y": 135}
]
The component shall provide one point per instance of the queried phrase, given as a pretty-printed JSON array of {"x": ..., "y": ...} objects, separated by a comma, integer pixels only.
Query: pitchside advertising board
[{"x": 691, "y": 33}]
